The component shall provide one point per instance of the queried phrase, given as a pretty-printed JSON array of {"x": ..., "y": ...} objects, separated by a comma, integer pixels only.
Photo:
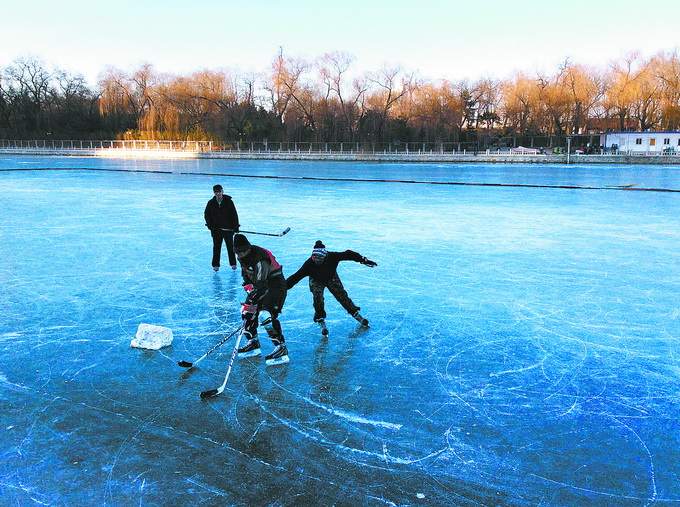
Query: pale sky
[{"x": 436, "y": 38}]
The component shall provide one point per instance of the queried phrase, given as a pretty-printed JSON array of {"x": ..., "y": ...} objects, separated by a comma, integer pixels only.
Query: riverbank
[
  {"x": 451, "y": 158},
  {"x": 487, "y": 157}
]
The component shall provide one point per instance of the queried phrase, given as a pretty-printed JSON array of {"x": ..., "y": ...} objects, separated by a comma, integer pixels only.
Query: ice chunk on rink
[{"x": 152, "y": 337}]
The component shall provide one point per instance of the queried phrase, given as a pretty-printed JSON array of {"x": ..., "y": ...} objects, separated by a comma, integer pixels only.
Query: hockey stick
[
  {"x": 214, "y": 392},
  {"x": 187, "y": 364},
  {"x": 286, "y": 231}
]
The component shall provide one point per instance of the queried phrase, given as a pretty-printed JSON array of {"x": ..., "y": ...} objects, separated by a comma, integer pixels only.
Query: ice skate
[
  {"x": 250, "y": 349},
  {"x": 360, "y": 319},
  {"x": 322, "y": 325},
  {"x": 278, "y": 356}
]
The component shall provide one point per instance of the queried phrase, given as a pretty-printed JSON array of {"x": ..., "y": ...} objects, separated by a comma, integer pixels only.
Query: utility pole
[{"x": 568, "y": 148}]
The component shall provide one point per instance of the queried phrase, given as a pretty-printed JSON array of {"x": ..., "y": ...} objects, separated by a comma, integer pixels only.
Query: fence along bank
[{"x": 377, "y": 152}]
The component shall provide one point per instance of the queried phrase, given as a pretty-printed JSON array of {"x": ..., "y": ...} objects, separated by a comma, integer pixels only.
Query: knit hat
[
  {"x": 319, "y": 250},
  {"x": 241, "y": 243}
]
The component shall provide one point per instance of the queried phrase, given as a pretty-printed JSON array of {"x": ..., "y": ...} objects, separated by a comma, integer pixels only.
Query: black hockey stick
[
  {"x": 187, "y": 364},
  {"x": 215, "y": 392},
  {"x": 286, "y": 231}
]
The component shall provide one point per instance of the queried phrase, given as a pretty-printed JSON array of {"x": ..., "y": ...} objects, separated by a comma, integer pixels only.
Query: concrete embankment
[
  {"x": 386, "y": 157},
  {"x": 448, "y": 158}
]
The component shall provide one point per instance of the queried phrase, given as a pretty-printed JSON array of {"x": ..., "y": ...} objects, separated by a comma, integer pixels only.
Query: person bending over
[
  {"x": 321, "y": 268},
  {"x": 266, "y": 286}
]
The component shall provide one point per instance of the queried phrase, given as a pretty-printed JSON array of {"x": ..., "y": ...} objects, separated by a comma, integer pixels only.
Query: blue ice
[{"x": 523, "y": 347}]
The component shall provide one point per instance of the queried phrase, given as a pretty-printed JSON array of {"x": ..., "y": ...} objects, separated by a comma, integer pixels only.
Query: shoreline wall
[{"x": 411, "y": 157}]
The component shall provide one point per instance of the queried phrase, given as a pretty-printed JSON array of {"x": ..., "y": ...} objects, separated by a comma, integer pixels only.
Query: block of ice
[{"x": 152, "y": 337}]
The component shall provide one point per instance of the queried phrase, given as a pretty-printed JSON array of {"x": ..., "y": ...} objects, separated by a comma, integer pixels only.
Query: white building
[{"x": 641, "y": 142}]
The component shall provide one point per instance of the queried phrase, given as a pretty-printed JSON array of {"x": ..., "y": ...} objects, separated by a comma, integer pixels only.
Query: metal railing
[
  {"x": 250, "y": 146},
  {"x": 77, "y": 145},
  {"x": 264, "y": 147},
  {"x": 352, "y": 147}
]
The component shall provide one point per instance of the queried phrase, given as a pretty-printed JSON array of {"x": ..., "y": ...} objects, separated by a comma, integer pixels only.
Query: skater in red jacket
[{"x": 266, "y": 286}]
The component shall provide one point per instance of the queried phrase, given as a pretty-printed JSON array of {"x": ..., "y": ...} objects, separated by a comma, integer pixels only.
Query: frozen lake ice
[{"x": 522, "y": 348}]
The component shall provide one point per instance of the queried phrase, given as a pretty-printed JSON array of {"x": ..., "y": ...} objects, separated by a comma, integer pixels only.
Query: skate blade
[
  {"x": 250, "y": 353},
  {"x": 361, "y": 323},
  {"x": 277, "y": 360}
]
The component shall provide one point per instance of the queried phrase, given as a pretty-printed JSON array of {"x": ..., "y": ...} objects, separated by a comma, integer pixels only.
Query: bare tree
[
  {"x": 333, "y": 68},
  {"x": 389, "y": 85},
  {"x": 283, "y": 82},
  {"x": 32, "y": 80}
]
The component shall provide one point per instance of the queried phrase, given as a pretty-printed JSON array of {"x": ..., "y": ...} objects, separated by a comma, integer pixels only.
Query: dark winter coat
[
  {"x": 326, "y": 270},
  {"x": 221, "y": 216},
  {"x": 259, "y": 267}
]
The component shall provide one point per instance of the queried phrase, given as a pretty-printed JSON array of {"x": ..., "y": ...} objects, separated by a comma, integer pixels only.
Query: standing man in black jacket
[
  {"x": 220, "y": 213},
  {"x": 321, "y": 268}
]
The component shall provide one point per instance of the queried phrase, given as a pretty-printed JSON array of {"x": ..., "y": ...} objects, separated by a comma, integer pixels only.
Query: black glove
[
  {"x": 368, "y": 262},
  {"x": 256, "y": 295}
]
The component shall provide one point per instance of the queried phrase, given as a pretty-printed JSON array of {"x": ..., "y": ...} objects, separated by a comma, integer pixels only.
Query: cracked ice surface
[{"x": 522, "y": 348}]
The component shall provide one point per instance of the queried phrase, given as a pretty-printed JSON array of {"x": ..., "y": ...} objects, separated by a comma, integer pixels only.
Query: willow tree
[
  {"x": 199, "y": 101},
  {"x": 554, "y": 97},
  {"x": 519, "y": 104},
  {"x": 127, "y": 98},
  {"x": 645, "y": 104},
  {"x": 584, "y": 89},
  {"x": 619, "y": 89},
  {"x": 666, "y": 69},
  {"x": 433, "y": 110}
]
